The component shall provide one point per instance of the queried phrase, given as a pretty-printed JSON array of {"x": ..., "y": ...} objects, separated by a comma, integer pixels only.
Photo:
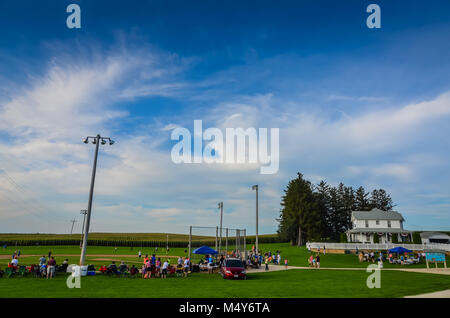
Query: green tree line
[{"x": 321, "y": 211}]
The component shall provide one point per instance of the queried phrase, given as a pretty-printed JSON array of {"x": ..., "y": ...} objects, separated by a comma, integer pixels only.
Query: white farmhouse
[{"x": 385, "y": 223}]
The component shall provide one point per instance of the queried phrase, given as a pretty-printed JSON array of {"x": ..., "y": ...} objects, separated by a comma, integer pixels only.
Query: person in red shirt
[{"x": 51, "y": 264}]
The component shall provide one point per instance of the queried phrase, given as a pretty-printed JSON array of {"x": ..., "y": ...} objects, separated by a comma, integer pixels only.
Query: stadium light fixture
[{"x": 97, "y": 140}]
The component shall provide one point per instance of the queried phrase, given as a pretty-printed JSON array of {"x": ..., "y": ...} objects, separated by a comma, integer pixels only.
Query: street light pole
[
  {"x": 84, "y": 212},
  {"x": 221, "y": 215},
  {"x": 96, "y": 141},
  {"x": 255, "y": 187}
]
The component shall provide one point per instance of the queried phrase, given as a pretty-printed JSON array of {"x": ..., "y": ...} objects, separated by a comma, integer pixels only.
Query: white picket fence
[{"x": 384, "y": 246}]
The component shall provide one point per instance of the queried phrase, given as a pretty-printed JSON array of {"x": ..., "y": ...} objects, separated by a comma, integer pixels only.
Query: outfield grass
[
  {"x": 289, "y": 284},
  {"x": 297, "y": 256}
]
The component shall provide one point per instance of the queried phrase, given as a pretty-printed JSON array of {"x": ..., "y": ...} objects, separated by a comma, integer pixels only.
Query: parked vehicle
[{"x": 233, "y": 268}]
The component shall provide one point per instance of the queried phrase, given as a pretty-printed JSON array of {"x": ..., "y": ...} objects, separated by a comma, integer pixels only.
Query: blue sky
[{"x": 363, "y": 106}]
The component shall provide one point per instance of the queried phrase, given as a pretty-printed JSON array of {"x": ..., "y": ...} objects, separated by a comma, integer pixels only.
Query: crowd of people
[
  {"x": 46, "y": 267},
  {"x": 153, "y": 266}
]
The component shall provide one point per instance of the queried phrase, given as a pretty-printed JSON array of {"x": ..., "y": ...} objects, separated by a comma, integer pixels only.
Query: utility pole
[
  {"x": 221, "y": 215},
  {"x": 84, "y": 212},
  {"x": 255, "y": 187},
  {"x": 96, "y": 141},
  {"x": 73, "y": 223}
]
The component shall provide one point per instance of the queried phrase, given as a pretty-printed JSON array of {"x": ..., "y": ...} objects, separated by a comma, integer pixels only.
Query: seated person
[
  {"x": 103, "y": 269},
  {"x": 64, "y": 265},
  {"x": 112, "y": 268},
  {"x": 43, "y": 270},
  {"x": 123, "y": 267},
  {"x": 133, "y": 270},
  {"x": 15, "y": 262}
]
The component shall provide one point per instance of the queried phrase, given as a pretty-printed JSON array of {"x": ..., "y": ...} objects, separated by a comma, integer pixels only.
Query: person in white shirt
[
  {"x": 165, "y": 267},
  {"x": 186, "y": 267},
  {"x": 15, "y": 262}
]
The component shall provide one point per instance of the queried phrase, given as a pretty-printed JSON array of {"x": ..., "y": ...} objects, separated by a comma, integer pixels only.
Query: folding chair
[{"x": 22, "y": 270}]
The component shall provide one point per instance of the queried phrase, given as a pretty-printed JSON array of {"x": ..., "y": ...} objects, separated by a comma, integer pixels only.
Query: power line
[{"x": 73, "y": 223}]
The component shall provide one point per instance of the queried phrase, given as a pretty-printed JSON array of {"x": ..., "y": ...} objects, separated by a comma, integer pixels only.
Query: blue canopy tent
[
  {"x": 204, "y": 250},
  {"x": 399, "y": 250}
]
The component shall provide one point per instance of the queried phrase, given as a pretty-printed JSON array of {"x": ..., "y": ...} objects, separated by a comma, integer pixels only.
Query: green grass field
[
  {"x": 297, "y": 256},
  {"x": 290, "y": 283}
]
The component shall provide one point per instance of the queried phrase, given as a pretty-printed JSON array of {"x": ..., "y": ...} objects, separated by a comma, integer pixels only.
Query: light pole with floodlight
[
  {"x": 221, "y": 215},
  {"x": 96, "y": 141},
  {"x": 255, "y": 187}
]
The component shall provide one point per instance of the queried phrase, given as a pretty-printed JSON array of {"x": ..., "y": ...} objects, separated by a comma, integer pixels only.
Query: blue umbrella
[
  {"x": 205, "y": 250},
  {"x": 399, "y": 250}
]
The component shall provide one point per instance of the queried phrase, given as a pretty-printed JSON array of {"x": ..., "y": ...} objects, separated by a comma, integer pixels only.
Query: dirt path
[
  {"x": 439, "y": 294},
  {"x": 272, "y": 268}
]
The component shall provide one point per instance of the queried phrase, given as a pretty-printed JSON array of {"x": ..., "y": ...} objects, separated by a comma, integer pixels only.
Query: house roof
[
  {"x": 426, "y": 235},
  {"x": 377, "y": 214}
]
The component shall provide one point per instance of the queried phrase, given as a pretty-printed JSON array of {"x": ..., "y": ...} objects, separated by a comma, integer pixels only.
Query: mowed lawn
[
  {"x": 297, "y": 256},
  {"x": 287, "y": 283}
]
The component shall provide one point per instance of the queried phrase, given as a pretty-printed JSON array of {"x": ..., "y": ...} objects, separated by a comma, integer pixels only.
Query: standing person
[
  {"x": 318, "y": 261},
  {"x": 42, "y": 260},
  {"x": 311, "y": 260},
  {"x": 49, "y": 254},
  {"x": 309, "y": 248},
  {"x": 18, "y": 253},
  {"x": 324, "y": 250},
  {"x": 14, "y": 254},
  {"x": 279, "y": 259},
  {"x": 285, "y": 263},
  {"x": 266, "y": 261},
  {"x": 140, "y": 254},
  {"x": 180, "y": 261},
  {"x": 186, "y": 267},
  {"x": 158, "y": 267},
  {"x": 51, "y": 268},
  {"x": 148, "y": 269},
  {"x": 146, "y": 259},
  {"x": 164, "y": 269}
]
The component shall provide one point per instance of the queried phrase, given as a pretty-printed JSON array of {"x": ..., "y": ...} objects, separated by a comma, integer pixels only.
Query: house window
[
  {"x": 368, "y": 237},
  {"x": 378, "y": 222},
  {"x": 389, "y": 223},
  {"x": 367, "y": 223}
]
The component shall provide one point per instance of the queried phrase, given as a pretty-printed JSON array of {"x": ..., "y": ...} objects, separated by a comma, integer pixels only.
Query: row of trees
[{"x": 313, "y": 212}]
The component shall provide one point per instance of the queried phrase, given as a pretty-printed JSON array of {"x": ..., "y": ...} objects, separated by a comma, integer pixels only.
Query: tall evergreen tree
[
  {"x": 299, "y": 217},
  {"x": 362, "y": 200},
  {"x": 380, "y": 199}
]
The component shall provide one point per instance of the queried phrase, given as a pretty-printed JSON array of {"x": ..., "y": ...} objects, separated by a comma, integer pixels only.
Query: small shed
[{"x": 434, "y": 237}]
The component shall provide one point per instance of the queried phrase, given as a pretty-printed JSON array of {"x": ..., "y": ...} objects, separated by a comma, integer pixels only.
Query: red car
[{"x": 233, "y": 268}]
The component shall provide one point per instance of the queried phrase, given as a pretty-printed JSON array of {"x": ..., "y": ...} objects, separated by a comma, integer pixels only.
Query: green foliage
[
  {"x": 376, "y": 238},
  {"x": 394, "y": 238},
  {"x": 299, "y": 218},
  {"x": 416, "y": 238},
  {"x": 343, "y": 238}
]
